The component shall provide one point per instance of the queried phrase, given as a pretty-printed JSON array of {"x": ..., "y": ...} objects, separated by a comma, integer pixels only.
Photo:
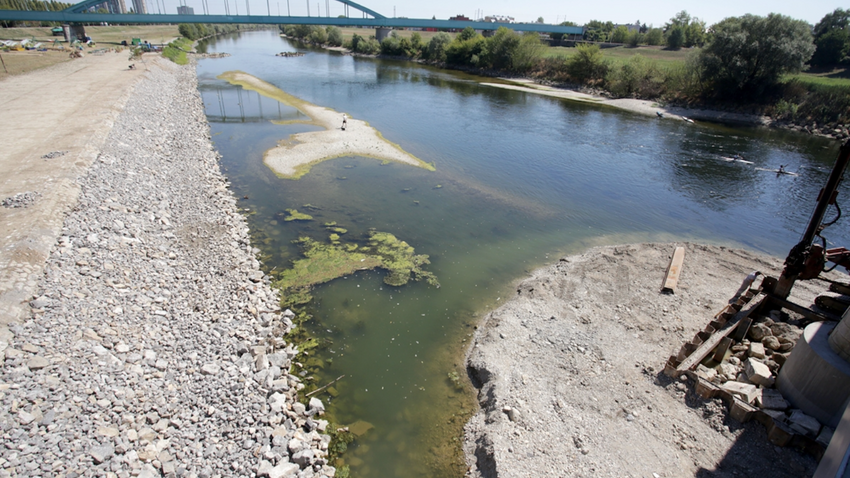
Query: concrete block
[
  {"x": 756, "y": 350},
  {"x": 771, "y": 400},
  {"x": 758, "y": 372},
  {"x": 804, "y": 424},
  {"x": 825, "y": 436},
  {"x": 779, "y": 434},
  {"x": 741, "y": 411},
  {"x": 706, "y": 373},
  {"x": 746, "y": 391}
]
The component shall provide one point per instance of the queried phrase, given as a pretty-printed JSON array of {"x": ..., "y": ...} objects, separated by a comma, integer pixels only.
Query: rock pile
[
  {"x": 750, "y": 369},
  {"x": 155, "y": 344},
  {"x": 21, "y": 199}
]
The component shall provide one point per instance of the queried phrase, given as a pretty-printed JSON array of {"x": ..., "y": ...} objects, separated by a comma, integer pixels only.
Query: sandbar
[
  {"x": 643, "y": 107},
  {"x": 293, "y": 157}
]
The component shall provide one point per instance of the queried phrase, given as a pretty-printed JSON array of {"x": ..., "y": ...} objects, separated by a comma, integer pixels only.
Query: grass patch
[
  {"x": 175, "y": 54},
  {"x": 618, "y": 56},
  {"x": 18, "y": 62},
  {"x": 161, "y": 34}
]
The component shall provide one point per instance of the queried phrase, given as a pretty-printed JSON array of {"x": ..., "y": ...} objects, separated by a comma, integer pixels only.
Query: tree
[
  {"x": 437, "y": 46},
  {"x": 528, "y": 53},
  {"x": 832, "y": 38},
  {"x": 468, "y": 33},
  {"x": 540, "y": 20},
  {"x": 620, "y": 34},
  {"x": 654, "y": 36},
  {"x": 750, "y": 53},
  {"x": 334, "y": 36},
  {"x": 837, "y": 20},
  {"x": 675, "y": 37},
  {"x": 499, "y": 48},
  {"x": 635, "y": 38},
  {"x": 587, "y": 64},
  {"x": 831, "y": 48}
]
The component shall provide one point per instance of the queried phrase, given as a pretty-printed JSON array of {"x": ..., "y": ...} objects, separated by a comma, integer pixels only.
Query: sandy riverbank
[
  {"x": 154, "y": 344},
  {"x": 294, "y": 157},
  {"x": 644, "y": 107},
  {"x": 578, "y": 356}
]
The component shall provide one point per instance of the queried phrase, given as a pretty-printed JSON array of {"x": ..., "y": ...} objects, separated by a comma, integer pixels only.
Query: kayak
[{"x": 789, "y": 173}]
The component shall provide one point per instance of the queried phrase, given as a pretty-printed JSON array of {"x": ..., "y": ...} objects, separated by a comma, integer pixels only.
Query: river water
[{"x": 521, "y": 180}]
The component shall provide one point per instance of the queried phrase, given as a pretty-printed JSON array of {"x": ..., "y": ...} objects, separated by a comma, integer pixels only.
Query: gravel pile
[
  {"x": 154, "y": 347},
  {"x": 21, "y": 199}
]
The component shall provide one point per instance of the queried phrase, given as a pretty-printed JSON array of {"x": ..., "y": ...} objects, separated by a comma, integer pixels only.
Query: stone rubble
[
  {"x": 21, "y": 199},
  {"x": 155, "y": 346}
]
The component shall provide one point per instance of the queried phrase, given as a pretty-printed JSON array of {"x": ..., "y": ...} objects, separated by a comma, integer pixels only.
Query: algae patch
[
  {"x": 294, "y": 215},
  {"x": 324, "y": 262}
]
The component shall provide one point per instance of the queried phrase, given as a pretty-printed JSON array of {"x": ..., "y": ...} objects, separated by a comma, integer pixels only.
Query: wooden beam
[
  {"x": 703, "y": 350},
  {"x": 671, "y": 277},
  {"x": 804, "y": 311}
]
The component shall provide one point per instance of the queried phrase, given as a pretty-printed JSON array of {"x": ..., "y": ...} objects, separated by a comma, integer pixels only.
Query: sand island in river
[{"x": 294, "y": 156}]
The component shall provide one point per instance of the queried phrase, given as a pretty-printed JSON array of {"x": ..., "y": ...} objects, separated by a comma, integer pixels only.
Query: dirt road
[{"x": 67, "y": 108}]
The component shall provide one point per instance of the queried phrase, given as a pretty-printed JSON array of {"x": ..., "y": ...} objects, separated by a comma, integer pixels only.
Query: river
[{"x": 520, "y": 180}]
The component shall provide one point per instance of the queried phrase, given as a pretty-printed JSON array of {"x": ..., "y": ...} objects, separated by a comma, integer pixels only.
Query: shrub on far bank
[{"x": 587, "y": 65}]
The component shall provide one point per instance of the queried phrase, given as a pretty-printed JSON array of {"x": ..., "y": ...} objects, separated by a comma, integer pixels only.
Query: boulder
[{"x": 758, "y": 332}]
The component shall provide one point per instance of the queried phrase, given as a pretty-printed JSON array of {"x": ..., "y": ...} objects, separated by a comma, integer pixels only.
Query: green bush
[
  {"x": 437, "y": 46},
  {"x": 175, "y": 54},
  {"x": 334, "y": 36},
  {"x": 318, "y": 36},
  {"x": 587, "y": 65},
  {"x": 639, "y": 77}
]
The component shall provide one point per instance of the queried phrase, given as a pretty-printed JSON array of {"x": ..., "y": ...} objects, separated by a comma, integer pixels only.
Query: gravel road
[{"x": 154, "y": 344}]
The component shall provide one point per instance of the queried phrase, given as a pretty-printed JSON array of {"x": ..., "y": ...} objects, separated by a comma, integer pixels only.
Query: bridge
[{"x": 78, "y": 14}]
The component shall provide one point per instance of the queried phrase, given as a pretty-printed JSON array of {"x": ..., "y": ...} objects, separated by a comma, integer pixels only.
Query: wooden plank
[
  {"x": 720, "y": 351},
  {"x": 671, "y": 277},
  {"x": 703, "y": 350}
]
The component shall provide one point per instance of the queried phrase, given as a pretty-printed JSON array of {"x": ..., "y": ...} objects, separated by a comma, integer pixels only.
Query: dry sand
[
  {"x": 293, "y": 157},
  {"x": 644, "y": 107},
  {"x": 579, "y": 353}
]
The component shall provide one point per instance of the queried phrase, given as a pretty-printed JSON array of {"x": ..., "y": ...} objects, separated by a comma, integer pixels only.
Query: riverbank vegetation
[{"x": 748, "y": 64}]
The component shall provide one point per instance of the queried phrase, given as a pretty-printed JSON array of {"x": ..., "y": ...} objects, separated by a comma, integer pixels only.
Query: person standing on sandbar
[{"x": 344, "y": 121}]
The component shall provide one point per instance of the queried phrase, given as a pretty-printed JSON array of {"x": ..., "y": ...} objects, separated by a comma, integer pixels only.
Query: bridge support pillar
[
  {"x": 381, "y": 33},
  {"x": 74, "y": 32}
]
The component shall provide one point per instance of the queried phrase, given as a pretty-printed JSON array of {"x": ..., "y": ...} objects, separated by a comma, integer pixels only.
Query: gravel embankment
[{"x": 154, "y": 345}]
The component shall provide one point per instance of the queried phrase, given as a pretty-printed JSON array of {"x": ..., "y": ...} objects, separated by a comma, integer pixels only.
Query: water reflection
[{"x": 225, "y": 103}]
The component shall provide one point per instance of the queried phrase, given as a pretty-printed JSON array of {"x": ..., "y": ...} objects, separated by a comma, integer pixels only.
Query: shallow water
[{"x": 522, "y": 180}]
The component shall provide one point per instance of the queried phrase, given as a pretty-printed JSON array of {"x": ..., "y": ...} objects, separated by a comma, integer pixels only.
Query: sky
[{"x": 656, "y": 12}]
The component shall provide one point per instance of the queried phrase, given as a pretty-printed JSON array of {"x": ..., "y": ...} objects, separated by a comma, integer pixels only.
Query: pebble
[{"x": 138, "y": 359}]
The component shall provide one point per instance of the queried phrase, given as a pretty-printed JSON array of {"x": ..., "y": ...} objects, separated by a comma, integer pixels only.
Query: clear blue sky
[{"x": 656, "y": 12}]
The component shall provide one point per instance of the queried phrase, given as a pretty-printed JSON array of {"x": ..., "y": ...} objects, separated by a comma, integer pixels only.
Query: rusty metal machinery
[{"x": 807, "y": 259}]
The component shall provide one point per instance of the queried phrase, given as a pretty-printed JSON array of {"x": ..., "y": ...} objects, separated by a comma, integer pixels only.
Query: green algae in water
[
  {"x": 324, "y": 262},
  {"x": 294, "y": 215}
]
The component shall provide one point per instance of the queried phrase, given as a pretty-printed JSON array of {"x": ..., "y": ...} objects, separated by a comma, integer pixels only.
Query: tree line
[
  {"x": 739, "y": 60},
  {"x": 33, "y": 5}
]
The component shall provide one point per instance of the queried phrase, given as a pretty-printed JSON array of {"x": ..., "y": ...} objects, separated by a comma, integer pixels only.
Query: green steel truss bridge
[{"x": 79, "y": 14}]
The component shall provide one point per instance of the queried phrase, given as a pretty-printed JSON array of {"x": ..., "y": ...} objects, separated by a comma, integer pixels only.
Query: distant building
[
  {"x": 184, "y": 10},
  {"x": 116, "y": 6},
  {"x": 139, "y": 6},
  {"x": 461, "y": 18},
  {"x": 498, "y": 19}
]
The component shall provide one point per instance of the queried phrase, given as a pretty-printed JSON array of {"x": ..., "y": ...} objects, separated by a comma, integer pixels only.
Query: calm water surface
[{"x": 522, "y": 179}]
